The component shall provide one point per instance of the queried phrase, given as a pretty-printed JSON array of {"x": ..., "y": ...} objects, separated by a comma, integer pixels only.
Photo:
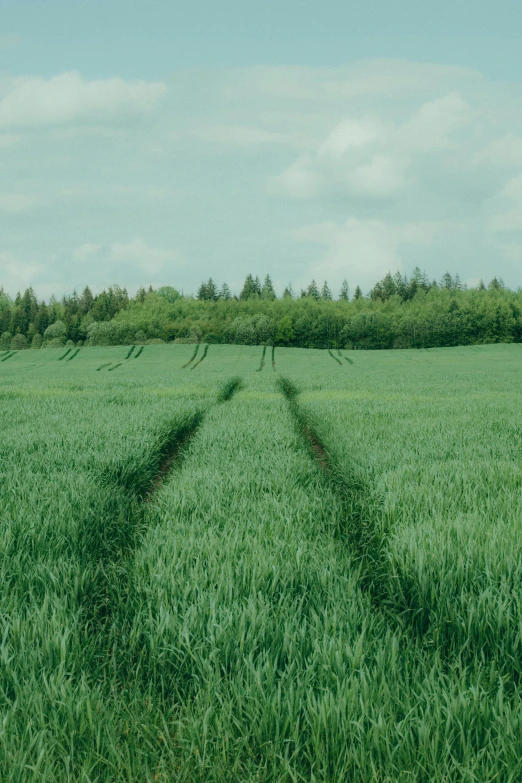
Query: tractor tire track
[
  {"x": 357, "y": 522},
  {"x": 196, "y": 349},
  {"x": 202, "y": 358},
  {"x": 112, "y": 529},
  {"x": 262, "y": 362}
]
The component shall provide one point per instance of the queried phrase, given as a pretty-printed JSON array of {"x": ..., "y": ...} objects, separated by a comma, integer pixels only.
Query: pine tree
[
  {"x": 481, "y": 286},
  {"x": 267, "y": 292},
  {"x": 358, "y": 293},
  {"x": 212, "y": 292},
  {"x": 248, "y": 288},
  {"x": 497, "y": 284},
  {"x": 401, "y": 285},
  {"x": 225, "y": 292},
  {"x": 202, "y": 293},
  {"x": 418, "y": 282},
  {"x": 325, "y": 291},
  {"x": 42, "y": 321},
  {"x": 389, "y": 288},
  {"x": 313, "y": 291},
  {"x": 140, "y": 294},
  {"x": 344, "y": 293},
  {"x": 446, "y": 281},
  {"x": 377, "y": 292},
  {"x": 288, "y": 293},
  {"x": 257, "y": 287}
]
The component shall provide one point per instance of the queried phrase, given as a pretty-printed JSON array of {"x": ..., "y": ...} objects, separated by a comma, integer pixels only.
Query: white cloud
[
  {"x": 380, "y": 176},
  {"x": 504, "y": 152},
  {"x": 243, "y": 136},
  {"x": 299, "y": 180},
  {"x": 389, "y": 163},
  {"x": 15, "y": 202},
  {"x": 372, "y": 157},
  {"x": 119, "y": 256},
  {"x": 432, "y": 126},
  {"x": 362, "y": 250},
  {"x": 15, "y": 274},
  {"x": 351, "y": 134},
  {"x": 68, "y": 98},
  {"x": 505, "y": 209}
]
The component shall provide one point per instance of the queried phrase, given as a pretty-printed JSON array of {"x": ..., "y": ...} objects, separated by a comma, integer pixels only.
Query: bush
[
  {"x": 250, "y": 330},
  {"x": 110, "y": 333},
  {"x": 79, "y": 343},
  {"x": 212, "y": 338},
  {"x": 56, "y": 342},
  {"x": 155, "y": 341},
  {"x": 56, "y": 331},
  {"x": 140, "y": 337},
  {"x": 69, "y": 344},
  {"x": 5, "y": 341},
  {"x": 37, "y": 341},
  {"x": 19, "y": 342}
]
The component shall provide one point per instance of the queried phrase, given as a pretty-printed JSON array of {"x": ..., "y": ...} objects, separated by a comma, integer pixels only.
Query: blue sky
[{"x": 162, "y": 142}]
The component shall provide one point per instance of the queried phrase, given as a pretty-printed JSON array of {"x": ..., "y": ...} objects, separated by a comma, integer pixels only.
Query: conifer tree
[
  {"x": 140, "y": 294},
  {"x": 313, "y": 291},
  {"x": 288, "y": 293},
  {"x": 248, "y": 288},
  {"x": 202, "y": 293},
  {"x": 388, "y": 286},
  {"x": 212, "y": 291},
  {"x": 225, "y": 292},
  {"x": 325, "y": 291},
  {"x": 267, "y": 292},
  {"x": 358, "y": 293},
  {"x": 446, "y": 281},
  {"x": 344, "y": 293},
  {"x": 401, "y": 285}
]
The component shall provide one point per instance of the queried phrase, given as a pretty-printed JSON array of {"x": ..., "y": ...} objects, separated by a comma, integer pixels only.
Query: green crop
[{"x": 236, "y": 576}]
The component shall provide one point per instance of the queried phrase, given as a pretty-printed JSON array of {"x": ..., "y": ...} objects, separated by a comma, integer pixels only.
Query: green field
[{"x": 306, "y": 569}]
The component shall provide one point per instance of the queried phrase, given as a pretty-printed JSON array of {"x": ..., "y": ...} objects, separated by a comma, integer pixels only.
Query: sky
[{"x": 161, "y": 142}]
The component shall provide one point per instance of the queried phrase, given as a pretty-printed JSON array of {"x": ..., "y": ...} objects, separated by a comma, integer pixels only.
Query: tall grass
[{"x": 198, "y": 604}]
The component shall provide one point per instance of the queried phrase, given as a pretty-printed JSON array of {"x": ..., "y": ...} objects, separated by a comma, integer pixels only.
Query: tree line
[{"x": 398, "y": 312}]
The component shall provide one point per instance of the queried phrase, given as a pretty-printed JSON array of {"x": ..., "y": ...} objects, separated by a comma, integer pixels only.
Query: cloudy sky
[{"x": 164, "y": 141}]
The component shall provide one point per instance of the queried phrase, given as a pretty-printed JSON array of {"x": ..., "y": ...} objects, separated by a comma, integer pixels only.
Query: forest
[{"x": 398, "y": 312}]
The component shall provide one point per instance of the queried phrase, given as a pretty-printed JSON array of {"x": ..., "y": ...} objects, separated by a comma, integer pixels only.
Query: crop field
[{"x": 227, "y": 564}]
